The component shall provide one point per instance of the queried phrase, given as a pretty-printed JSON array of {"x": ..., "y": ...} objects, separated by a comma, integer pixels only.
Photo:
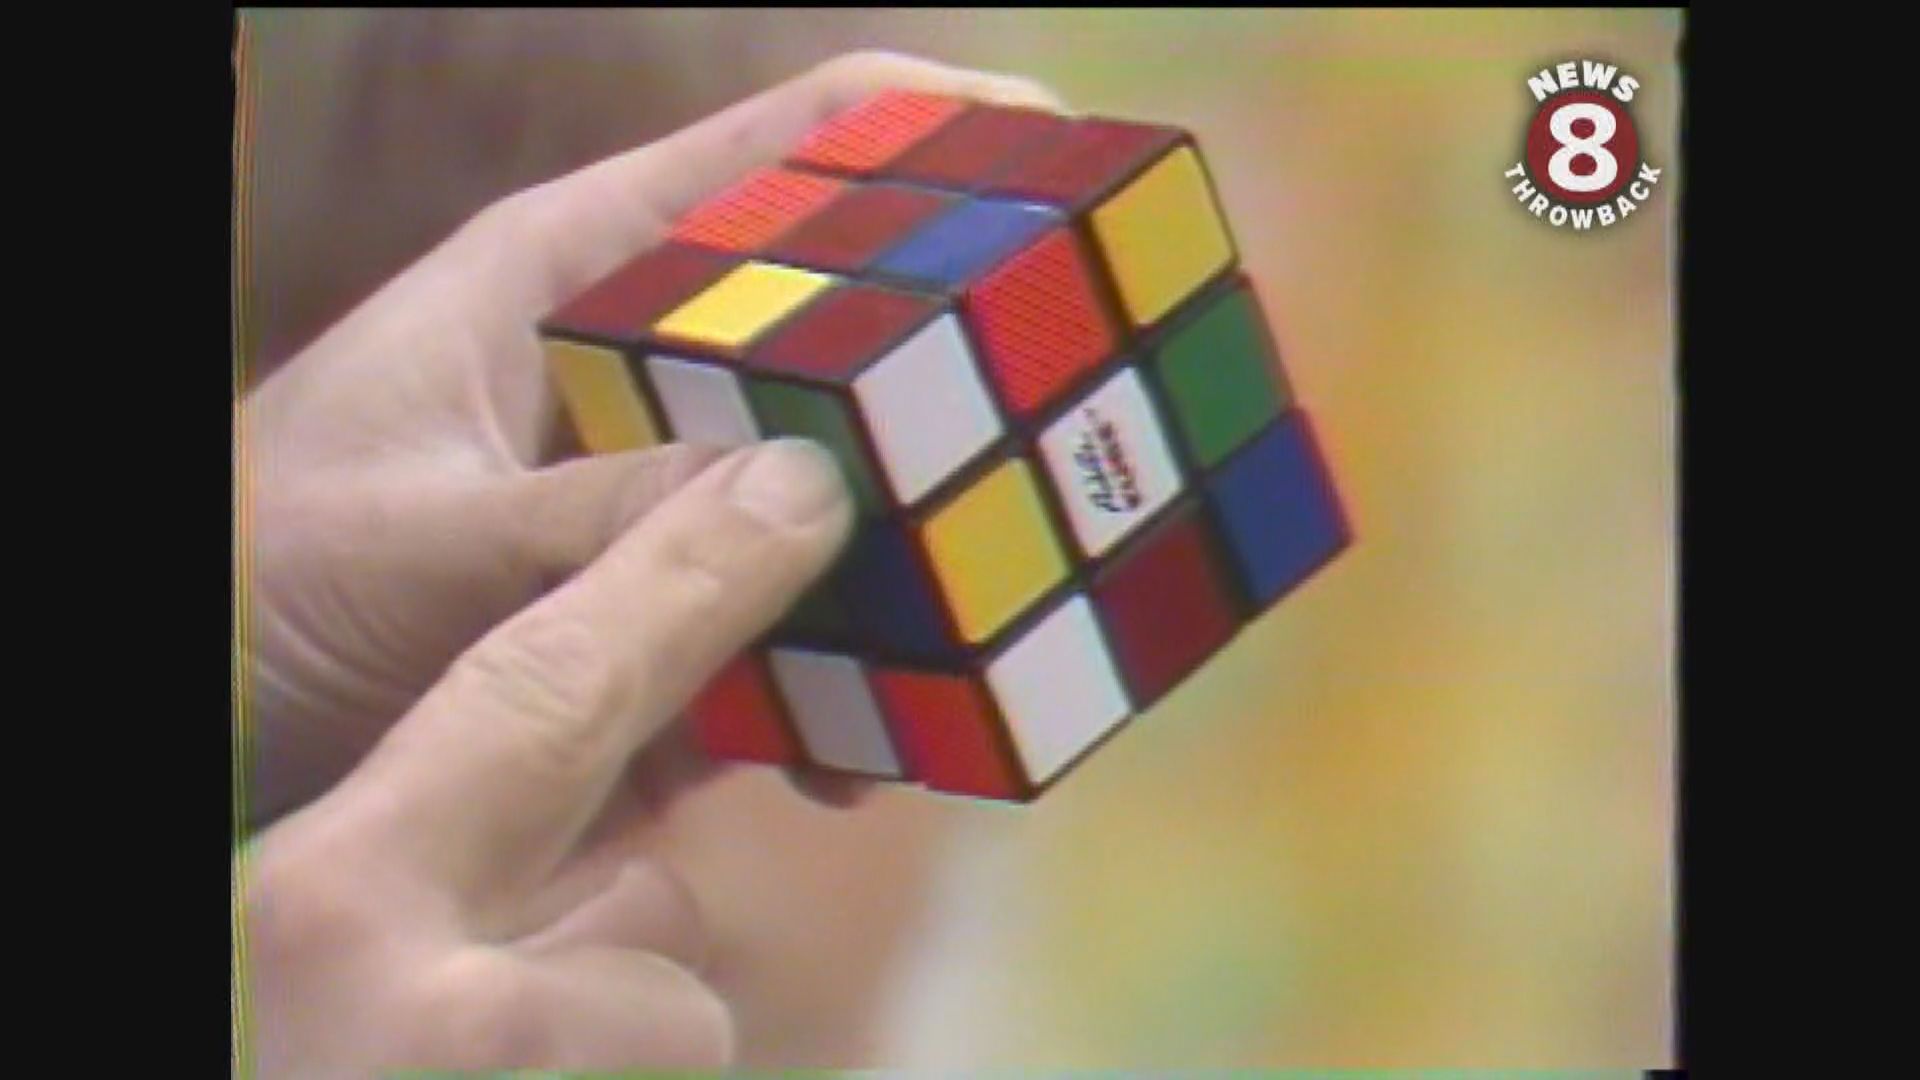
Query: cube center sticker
[{"x": 1110, "y": 462}]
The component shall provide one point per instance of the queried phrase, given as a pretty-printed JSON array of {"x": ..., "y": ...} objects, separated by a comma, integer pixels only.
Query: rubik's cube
[{"x": 1079, "y": 468}]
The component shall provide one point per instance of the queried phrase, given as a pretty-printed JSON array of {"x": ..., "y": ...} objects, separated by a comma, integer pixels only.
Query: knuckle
[
  {"x": 713, "y": 1031},
  {"x": 552, "y": 676},
  {"x": 851, "y": 75},
  {"x": 707, "y": 567},
  {"x": 724, "y": 555},
  {"x": 706, "y": 1036},
  {"x": 694, "y": 589},
  {"x": 298, "y": 904},
  {"x": 654, "y": 888},
  {"x": 863, "y": 71},
  {"x": 1020, "y": 89},
  {"x": 495, "y": 217},
  {"x": 510, "y": 216},
  {"x": 858, "y": 62},
  {"x": 477, "y": 1013},
  {"x": 632, "y": 486},
  {"x": 680, "y": 462}
]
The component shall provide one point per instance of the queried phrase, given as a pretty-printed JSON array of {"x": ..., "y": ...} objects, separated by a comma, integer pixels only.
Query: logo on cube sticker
[
  {"x": 1108, "y": 479},
  {"x": 1110, "y": 462}
]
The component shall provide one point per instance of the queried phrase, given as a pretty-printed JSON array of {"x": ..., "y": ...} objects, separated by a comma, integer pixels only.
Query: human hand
[
  {"x": 444, "y": 906},
  {"x": 400, "y": 496}
]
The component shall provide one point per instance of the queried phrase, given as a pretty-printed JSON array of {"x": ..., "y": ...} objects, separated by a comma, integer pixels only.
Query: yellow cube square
[
  {"x": 1163, "y": 236},
  {"x": 994, "y": 551},
  {"x": 735, "y": 309},
  {"x": 597, "y": 388}
]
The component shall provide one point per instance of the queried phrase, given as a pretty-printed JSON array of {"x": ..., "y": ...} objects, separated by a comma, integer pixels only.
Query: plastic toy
[{"x": 1079, "y": 466}]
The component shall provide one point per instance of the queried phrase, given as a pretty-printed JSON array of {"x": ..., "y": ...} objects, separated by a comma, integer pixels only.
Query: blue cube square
[
  {"x": 1278, "y": 511},
  {"x": 967, "y": 240},
  {"x": 890, "y": 598}
]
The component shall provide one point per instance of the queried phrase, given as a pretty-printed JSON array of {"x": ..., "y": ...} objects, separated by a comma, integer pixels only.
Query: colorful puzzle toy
[{"x": 1078, "y": 465}]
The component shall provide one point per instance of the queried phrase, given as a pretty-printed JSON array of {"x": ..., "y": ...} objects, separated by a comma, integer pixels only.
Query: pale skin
[{"x": 467, "y": 662}]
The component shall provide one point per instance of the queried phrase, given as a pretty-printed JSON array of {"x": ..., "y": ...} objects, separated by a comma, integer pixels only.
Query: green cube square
[
  {"x": 1221, "y": 377},
  {"x": 785, "y": 409}
]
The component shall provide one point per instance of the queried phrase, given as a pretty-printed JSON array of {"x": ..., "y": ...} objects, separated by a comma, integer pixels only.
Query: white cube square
[
  {"x": 1110, "y": 462},
  {"x": 834, "y": 709},
  {"x": 704, "y": 403},
  {"x": 1058, "y": 690},
  {"x": 926, "y": 408}
]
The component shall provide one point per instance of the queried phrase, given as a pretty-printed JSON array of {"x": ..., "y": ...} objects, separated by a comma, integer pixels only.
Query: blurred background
[{"x": 1422, "y": 814}]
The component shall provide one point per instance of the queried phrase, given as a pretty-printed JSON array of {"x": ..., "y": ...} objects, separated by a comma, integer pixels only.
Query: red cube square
[
  {"x": 1040, "y": 322},
  {"x": 948, "y": 732},
  {"x": 978, "y": 145},
  {"x": 857, "y": 227},
  {"x": 748, "y": 215},
  {"x": 866, "y": 137},
  {"x": 739, "y": 717},
  {"x": 1166, "y": 604},
  {"x": 623, "y": 305},
  {"x": 1088, "y": 159}
]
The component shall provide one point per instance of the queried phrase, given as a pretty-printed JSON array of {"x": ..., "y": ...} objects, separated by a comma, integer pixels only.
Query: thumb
[
  {"x": 558, "y": 519},
  {"x": 495, "y": 774}
]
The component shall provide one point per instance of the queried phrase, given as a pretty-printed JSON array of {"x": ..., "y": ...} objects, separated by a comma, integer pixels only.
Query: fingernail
[{"x": 789, "y": 482}]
